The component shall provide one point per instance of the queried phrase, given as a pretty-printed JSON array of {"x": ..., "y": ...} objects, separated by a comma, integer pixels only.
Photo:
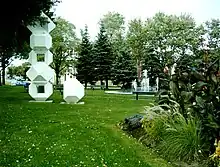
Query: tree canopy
[
  {"x": 64, "y": 43},
  {"x": 21, "y": 13}
]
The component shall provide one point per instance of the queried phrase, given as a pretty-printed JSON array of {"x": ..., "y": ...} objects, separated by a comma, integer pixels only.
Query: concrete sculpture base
[
  {"x": 47, "y": 101},
  {"x": 79, "y": 103}
]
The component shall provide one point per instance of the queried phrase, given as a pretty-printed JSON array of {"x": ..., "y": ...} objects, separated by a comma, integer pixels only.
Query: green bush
[
  {"x": 195, "y": 87},
  {"x": 182, "y": 140},
  {"x": 154, "y": 125},
  {"x": 175, "y": 137}
]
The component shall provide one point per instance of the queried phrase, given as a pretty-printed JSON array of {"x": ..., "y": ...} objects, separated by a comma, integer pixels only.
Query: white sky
[{"x": 81, "y": 12}]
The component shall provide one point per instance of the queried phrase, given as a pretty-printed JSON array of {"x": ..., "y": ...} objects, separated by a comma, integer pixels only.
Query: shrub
[
  {"x": 196, "y": 88},
  {"x": 154, "y": 125},
  {"x": 182, "y": 139},
  {"x": 175, "y": 137}
]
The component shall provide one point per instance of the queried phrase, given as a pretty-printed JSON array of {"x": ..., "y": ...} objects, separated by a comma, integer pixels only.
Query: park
[{"x": 140, "y": 92}]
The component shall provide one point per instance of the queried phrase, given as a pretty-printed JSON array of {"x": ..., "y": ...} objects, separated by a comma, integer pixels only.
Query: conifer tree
[{"x": 103, "y": 56}]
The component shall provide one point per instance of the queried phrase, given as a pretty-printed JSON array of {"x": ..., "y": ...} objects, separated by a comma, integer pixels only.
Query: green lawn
[{"x": 53, "y": 134}]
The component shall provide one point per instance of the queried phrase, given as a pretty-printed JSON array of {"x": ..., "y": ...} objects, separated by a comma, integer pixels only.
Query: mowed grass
[{"x": 53, "y": 134}]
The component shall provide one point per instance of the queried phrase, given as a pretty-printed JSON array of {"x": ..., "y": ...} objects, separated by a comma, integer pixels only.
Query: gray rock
[{"x": 132, "y": 122}]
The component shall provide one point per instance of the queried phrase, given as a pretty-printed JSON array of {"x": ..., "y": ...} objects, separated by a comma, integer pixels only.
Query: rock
[{"x": 132, "y": 122}]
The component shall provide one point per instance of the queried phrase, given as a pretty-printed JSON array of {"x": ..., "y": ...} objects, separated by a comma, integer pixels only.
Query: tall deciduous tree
[
  {"x": 85, "y": 67},
  {"x": 103, "y": 56},
  {"x": 5, "y": 60},
  {"x": 136, "y": 38},
  {"x": 212, "y": 29},
  {"x": 64, "y": 42},
  {"x": 170, "y": 38},
  {"x": 114, "y": 24},
  {"x": 19, "y": 70}
]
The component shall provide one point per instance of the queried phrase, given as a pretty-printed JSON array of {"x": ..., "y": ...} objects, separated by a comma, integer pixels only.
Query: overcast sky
[{"x": 81, "y": 12}]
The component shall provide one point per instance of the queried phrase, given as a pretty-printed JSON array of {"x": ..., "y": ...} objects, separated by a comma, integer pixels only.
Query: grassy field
[{"x": 53, "y": 134}]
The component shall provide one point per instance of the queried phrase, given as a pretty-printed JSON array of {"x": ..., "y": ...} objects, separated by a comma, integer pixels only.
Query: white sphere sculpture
[{"x": 40, "y": 73}]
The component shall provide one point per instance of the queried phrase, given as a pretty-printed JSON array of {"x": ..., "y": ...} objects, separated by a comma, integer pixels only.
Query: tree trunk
[
  {"x": 25, "y": 75},
  {"x": 101, "y": 84},
  {"x": 139, "y": 70},
  {"x": 106, "y": 83},
  {"x": 3, "y": 72},
  {"x": 57, "y": 77},
  {"x": 86, "y": 84},
  {"x": 0, "y": 78}
]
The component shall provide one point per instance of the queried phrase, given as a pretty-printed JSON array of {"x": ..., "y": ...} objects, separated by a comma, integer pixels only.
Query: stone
[
  {"x": 132, "y": 122},
  {"x": 73, "y": 90}
]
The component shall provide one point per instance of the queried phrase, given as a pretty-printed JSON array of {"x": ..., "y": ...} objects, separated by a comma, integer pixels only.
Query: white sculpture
[
  {"x": 145, "y": 85},
  {"x": 40, "y": 74},
  {"x": 173, "y": 68},
  {"x": 73, "y": 90},
  {"x": 134, "y": 85},
  {"x": 157, "y": 84}
]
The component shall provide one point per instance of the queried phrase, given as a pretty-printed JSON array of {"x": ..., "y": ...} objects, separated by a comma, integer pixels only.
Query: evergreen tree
[
  {"x": 124, "y": 68},
  {"x": 84, "y": 65},
  {"x": 103, "y": 56}
]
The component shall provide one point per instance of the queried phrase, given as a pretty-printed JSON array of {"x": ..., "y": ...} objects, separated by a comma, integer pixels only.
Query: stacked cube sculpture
[{"x": 40, "y": 74}]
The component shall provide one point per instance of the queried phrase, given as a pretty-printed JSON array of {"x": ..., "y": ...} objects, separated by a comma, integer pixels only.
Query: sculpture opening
[{"x": 40, "y": 89}]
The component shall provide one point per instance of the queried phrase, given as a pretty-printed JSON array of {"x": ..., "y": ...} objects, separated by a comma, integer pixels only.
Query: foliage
[
  {"x": 103, "y": 56},
  {"x": 182, "y": 140},
  {"x": 212, "y": 29},
  {"x": 85, "y": 65},
  {"x": 154, "y": 125},
  {"x": 169, "y": 38},
  {"x": 192, "y": 84},
  {"x": 136, "y": 39},
  {"x": 22, "y": 13},
  {"x": 124, "y": 71},
  {"x": 18, "y": 70},
  {"x": 64, "y": 42},
  {"x": 216, "y": 155},
  {"x": 114, "y": 25},
  {"x": 175, "y": 138},
  {"x": 5, "y": 60},
  {"x": 196, "y": 90},
  {"x": 123, "y": 65}
]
